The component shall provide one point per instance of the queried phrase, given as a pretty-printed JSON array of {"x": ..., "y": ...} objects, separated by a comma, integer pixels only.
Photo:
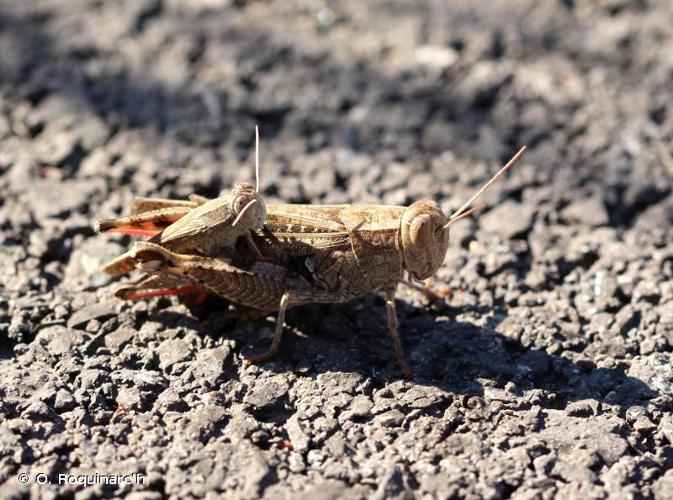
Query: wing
[
  {"x": 329, "y": 245},
  {"x": 305, "y": 229},
  {"x": 328, "y": 227},
  {"x": 184, "y": 233}
]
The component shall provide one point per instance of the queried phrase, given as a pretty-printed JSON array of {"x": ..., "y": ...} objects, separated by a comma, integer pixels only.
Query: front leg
[
  {"x": 392, "y": 325},
  {"x": 252, "y": 246}
]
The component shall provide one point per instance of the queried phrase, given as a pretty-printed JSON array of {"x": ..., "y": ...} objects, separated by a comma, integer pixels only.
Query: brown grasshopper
[
  {"x": 322, "y": 254},
  {"x": 199, "y": 226}
]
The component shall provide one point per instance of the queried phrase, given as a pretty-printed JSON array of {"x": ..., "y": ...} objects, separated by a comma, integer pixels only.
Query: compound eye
[
  {"x": 420, "y": 230},
  {"x": 239, "y": 203}
]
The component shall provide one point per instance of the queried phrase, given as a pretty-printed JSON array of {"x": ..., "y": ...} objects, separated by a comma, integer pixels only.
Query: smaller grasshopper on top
[{"x": 196, "y": 226}]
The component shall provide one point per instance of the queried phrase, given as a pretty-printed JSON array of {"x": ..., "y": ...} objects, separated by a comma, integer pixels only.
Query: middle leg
[{"x": 285, "y": 302}]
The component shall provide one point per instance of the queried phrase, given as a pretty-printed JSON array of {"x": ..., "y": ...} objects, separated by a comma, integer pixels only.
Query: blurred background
[{"x": 353, "y": 99}]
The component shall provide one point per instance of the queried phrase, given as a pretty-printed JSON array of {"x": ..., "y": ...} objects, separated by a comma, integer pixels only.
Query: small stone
[
  {"x": 666, "y": 428},
  {"x": 295, "y": 432},
  {"x": 644, "y": 425},
  {"x": 267, "y": 393},
  {"x": 116, "y": 340},
  {"x": 170, "y": 400},
  {"x": 203, "y": 420},
  {"x": 664, "y": 486},
  {"x": 254, "y": 472},
  {"x": 129, "y": 398},
  {"x": 64, "y": 401},
  {"x": 94, "y": 163},
  {"x": 336, "y": 445},
  {"x": 648, "y": 291},
  {"x": 208, "y": 368},
  {"x": 260, "y": 438},
  {"x": 590, "y": 211},
  {"x": 171, "y": 352},
  {"x": 315, "y": 457},
  {"x": 391, "y": 485},
  {"x": 296, "y": 463},
  {"x": 392, "y": 418},
  {"x": 57, "y": 147},
  {"x": 435, "y": 56},
  {"x": 333, "y": 383},
  {"x": 36, "y": 410},
  {"x": 585, "y": 408},
  {"x": 596, "y": 435},
  {"x": 148, "y": 380},
  {"x": 93, "y": 326},
  {"x": 508, "y": 220},
  {"x": 59, "y": 340},
  {"x": 361, "y": 406},
  {"x": 99, "y": 311},
  {"x": 70, "y": 196},
  {"x": 92, "y": 378}
]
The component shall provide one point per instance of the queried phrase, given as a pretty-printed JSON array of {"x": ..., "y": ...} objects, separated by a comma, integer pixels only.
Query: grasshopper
[
  {"x": 322, "y": 254},
  {"x": 198, "y": 225}
]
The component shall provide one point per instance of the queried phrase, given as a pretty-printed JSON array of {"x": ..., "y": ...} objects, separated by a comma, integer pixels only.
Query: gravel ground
[{"x": 546, "y": 374}]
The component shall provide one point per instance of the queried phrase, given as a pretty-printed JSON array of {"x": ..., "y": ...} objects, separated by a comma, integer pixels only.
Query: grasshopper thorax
[{"x": 424, "y": 238}]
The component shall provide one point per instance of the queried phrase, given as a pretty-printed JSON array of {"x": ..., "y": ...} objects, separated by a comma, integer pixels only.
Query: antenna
[
  {"x": 469, "y": 212},
  {"x": 240, "y": 214},
  {"x": 256, "y": 159},
  {"x": 504, "y": 169}
]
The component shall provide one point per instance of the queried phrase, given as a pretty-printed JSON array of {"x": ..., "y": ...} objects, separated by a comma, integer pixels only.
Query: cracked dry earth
[{"x": 547, "y": 373}]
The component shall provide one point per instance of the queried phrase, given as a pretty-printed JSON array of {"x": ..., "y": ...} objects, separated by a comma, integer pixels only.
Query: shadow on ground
[{"x": 457, "y": 357}]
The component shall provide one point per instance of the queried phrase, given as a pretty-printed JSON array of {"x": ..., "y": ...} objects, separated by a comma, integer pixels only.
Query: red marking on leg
[
  {"x": 136, "y": 231},
  {"x": 163, "y": 292}
]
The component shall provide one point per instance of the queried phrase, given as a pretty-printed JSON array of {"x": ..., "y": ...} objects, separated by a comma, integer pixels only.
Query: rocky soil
[{"x": 546, "y": 373}]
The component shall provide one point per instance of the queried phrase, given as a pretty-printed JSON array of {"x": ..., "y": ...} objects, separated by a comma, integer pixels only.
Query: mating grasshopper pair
[{"x": 275, "y": 257}]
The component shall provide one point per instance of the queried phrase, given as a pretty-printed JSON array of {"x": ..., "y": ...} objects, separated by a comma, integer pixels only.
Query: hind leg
[
  {"x": 148, "y": 223},
  {"x": 161, "y": 286},
  {"x": 142, "y": 204}
]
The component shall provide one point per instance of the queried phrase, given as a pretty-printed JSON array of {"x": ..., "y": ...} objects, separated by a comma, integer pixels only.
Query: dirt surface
[{"x": 547, "y": 372}]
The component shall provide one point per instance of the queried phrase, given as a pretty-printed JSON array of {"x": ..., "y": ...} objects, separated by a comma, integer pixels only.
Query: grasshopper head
[
  {"x": 247, "y": 206},
  {"x": 425, "y": 229},
  {"x": 425, "y": 239}
]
